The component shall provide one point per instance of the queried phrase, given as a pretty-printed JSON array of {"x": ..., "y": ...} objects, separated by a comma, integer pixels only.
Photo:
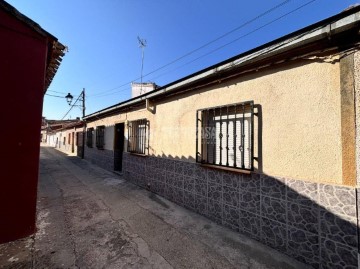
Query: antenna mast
[{"x": 142, "y": 45}]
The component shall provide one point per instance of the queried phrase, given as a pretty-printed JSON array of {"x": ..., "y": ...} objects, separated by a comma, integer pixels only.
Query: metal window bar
[
  {"x": 213, "y": 133},
  {"x": 208, "y": 133},
  {"x": 239, "y": 131},
  {"x": 221, "y": 136},
  {"x": 89, "y": 137},
  {"x": 243, "y": 138},
  {"x": 235, "y": 136},
  {"x": 227, "y": 136},
  {"x": 197, "y": 137},
  {"x": 138, "y": 135},
  {"x": 100, "y": 136}
]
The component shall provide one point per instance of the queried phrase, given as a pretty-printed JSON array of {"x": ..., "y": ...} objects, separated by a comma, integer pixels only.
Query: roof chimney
[{"x": 141, "y": 88}]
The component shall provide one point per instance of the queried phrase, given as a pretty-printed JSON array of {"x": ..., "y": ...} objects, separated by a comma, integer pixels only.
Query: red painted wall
[{"x": 23, "y": 55}]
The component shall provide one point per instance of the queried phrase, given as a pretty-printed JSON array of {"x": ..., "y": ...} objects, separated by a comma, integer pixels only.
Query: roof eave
[{"x": 320, "y": 31}]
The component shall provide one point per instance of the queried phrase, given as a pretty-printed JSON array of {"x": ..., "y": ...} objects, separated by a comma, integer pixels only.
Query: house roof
[
  {"x": 338, "y": 33},
  {"x": 56, "y": 50},
  {"x": 58, "y": 125}
]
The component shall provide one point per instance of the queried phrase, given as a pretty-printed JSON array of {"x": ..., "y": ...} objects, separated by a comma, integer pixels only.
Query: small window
[
  {"x": 64, "y": 141},
  {"x": 226, "y": 135},
  {"x": 138, "y": 133},
  {"x": 89, "y": 137},
  {"x": 100, "y": 131},
  {"x": 69, "y": 139}
]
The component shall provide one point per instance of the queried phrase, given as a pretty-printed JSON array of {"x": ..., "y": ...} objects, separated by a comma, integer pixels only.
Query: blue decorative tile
[
  {"x": 169, "y": 165},
  {"x": 215, "y": 176},
  {"x": 170, "y": 178},
  {"x": 151, "y": 162},
  {"x": 214, "y": 209},
  {"x": 273, "y": 209},
  {"x": 273, "y": 234},
  {"x": 273, "y": 187},
  {"x": 179, "y": 181},
  {"x": 231, "y": 215},
  {"x": 179, "y": 167},
  {"x": 214, "y": 191},
  {"x": 200, "y": 187},
  {"x": 302, "y": 192},
  {"x": 304, "y": 246},
  {"x": 250, "y": 183},
  {"x": 340, "y": 229},
  {"x": 303, "y": 217},
  {"x": 201, "y": 204},
  {"x": 200, "y": 172},
  {"x": 336, "y": 255},
  {"x": 189, "y": 184},
  {"x": 249, "y": 201},
  {"x": 189, "y": 200},
  {"x": 338, "y": 200},
  {"x": 189, "y": 169},
  {"x": 231, "y": 179},
  {"x": 231, "y": 196},
  {"x": 169, "y": 192},
  {"x": 249, "y": 224},
  {"x": 178, "y": 196}
]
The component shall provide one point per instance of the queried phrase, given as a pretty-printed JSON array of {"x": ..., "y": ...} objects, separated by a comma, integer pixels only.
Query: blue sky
[{"x": 104, "y": 56}]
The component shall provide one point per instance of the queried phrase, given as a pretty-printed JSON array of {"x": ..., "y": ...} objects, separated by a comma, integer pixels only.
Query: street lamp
[{"x": 69, "y": 99}]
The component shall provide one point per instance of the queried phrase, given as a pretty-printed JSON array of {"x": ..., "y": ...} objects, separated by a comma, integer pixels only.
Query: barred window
[
  {"x": 100, "y": 132},
  {"x": 225, "y": 135},
  {"x": 138, "y": 134},
  {"x": 89, "y": 137}
]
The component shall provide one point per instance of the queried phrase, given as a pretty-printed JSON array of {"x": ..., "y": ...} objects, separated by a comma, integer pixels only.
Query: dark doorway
[
  {"x": 118, "y": 146},
  {"x": 72, "y": 142}
]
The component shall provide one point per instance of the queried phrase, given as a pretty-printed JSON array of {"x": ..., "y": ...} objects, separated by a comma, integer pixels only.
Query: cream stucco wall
[
  {"x": 301, "y": 121},
  {"x": 357, "y": 111}
]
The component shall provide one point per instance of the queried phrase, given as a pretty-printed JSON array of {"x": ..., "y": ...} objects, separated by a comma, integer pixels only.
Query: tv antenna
[{"x": 142, "y": 45}]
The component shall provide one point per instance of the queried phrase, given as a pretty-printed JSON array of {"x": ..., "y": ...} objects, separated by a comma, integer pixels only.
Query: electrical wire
[
  {"x": 56, "y": 91},
  {"x": 221, "y": 47},
  {"x": 237, "y": 39},
  {"x": 72, "y": 106},
  {"x": 54, "y": 95},
  {"x": 203, "y": 46}
]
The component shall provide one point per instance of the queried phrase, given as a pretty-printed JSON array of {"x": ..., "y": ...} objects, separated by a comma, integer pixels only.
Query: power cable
[
  {"x": 205, "y": 45},
  {"x": 56, "y": 91},
  {"x": 237, "y": 39},
  {"x": 54, "y": 95},
  {"x": 221, "y": 47},
  {"x": 72, "y": 106}
]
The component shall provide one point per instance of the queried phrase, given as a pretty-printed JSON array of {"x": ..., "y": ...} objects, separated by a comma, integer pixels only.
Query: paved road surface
[{"x": 91, "y": 218}]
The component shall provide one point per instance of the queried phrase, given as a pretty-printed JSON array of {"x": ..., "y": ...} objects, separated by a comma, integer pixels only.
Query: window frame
[
  {"x": 89, "y": 137},
  {"x": 100, "y": 137},
  {"x": 138, "y": 139},
  {"x": 241, "y": 117}
]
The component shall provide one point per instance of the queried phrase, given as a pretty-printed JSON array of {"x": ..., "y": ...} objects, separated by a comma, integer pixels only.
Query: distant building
[
  {"x": 266, "y": 143},
  {"x": 29, "y": 59},
  {"x": 66, "y": 137}
]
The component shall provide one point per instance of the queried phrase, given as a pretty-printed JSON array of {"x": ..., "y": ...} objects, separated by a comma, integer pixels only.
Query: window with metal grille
[
  {"x": 138, "y": 134},
  {"x": 89, "y": 137},
  {"x": 100, "y": 132},
  {"x": 225, "y": 135}
]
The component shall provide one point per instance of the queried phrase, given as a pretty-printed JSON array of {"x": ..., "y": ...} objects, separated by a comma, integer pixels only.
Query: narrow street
[{"x": 91, "y": 218}]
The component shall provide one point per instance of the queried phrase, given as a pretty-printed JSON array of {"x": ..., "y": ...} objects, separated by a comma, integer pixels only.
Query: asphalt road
[{"x": 91, "y": 218}]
